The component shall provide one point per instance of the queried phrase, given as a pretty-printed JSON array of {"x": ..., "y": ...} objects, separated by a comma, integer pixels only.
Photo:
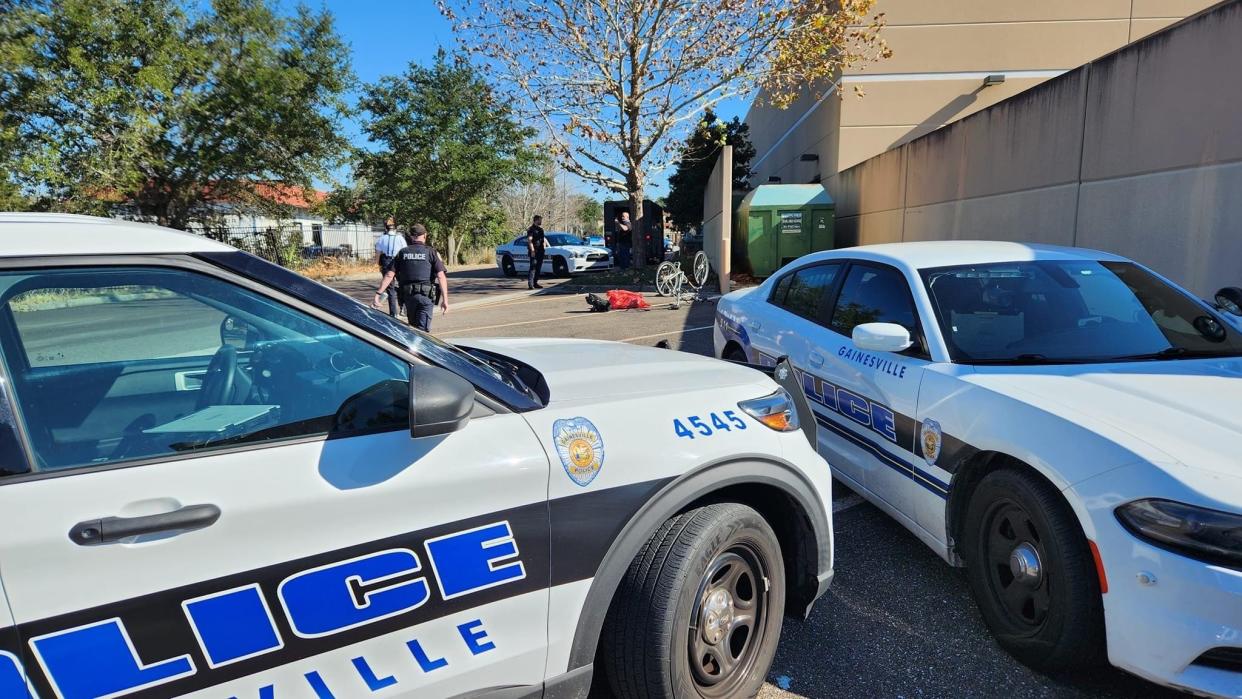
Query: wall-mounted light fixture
[
  {"x": 809, "y": 158},
  {"x": 774, "y": 180},
  {"x": 991, "y": 80}
]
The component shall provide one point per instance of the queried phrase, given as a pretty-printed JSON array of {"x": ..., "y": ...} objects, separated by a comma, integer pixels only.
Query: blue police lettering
[
  {"x": 236, "y": 624},
  {"x": 475, "y": 637},
  {"x": 233, "y": 625},
  {"x": 372, "y": 682},
  {"x": 420, "y": 656},
  {"x": 473, "y": 560},
  {"x": 871, "y": 361},
  {"x": 884, "y": 421},
  {"x": 13, "y": 678},
  {"x": 99, "y": 660},
  {"x": 854, "y": 406},
  {"x": 321, "y": 601}
]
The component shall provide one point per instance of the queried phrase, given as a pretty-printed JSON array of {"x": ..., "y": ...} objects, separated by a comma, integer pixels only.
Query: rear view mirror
[
  {"x": 440, "y": 401},
  {"x": 237, "y": 333},
  {"x": 881, "y": 337},
  {"x": 1229, "y": 299}
]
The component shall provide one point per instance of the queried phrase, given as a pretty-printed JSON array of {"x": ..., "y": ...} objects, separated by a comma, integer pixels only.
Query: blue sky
[{"x": 386, "y": 35}]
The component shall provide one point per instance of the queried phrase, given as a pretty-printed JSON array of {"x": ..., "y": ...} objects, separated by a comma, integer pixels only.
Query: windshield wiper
[
  {"x": 1024, "y": 359},
  {"x": 1172, "y": 353}
]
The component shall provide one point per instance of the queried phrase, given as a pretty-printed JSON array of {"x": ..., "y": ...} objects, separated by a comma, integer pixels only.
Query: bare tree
[{"x": 615, "y": 82}]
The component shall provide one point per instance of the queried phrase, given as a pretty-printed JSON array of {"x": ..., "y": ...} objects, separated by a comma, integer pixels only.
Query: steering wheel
[{"x": 220, "y": 378}]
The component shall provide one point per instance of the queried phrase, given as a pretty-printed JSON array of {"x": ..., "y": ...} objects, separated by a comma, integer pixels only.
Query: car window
[
  {"x": 116, "y": 364},
  {"x": 1071, "y": 310},
  {"x": 801, "y": 292},
  {"x": 874, "y": 294}
]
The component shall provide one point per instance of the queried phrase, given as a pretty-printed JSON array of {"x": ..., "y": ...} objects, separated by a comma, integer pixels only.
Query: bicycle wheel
[
  {"x": 701, "y": 269},
  {"x": 665, "y": 274}
]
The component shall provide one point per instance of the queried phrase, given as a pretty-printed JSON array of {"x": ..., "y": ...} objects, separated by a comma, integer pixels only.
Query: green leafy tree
[
  {"x": 616, "y": 83},
  {"x": 590, "y": 213},
  {"x": 168, "y": 108},
  {"x": 696, "y": 161},
  {"x": 444, "y": 145}
]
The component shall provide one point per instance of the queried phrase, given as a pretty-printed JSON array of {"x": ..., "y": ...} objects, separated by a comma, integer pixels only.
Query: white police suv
[
  {"x": 566, "y": 254},
  {"x": 1065, "y": 423},
  {"x": 220, "y": 479}
]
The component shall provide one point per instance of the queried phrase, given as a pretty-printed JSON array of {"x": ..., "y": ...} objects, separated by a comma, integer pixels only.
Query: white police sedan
[
  {"x": 566, "y": 254},
  {"x": 221, "y": 479},
  {"x": 1064, "y": 423}
]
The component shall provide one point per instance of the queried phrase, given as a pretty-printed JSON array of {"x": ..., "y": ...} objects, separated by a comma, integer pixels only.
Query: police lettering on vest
[{"x": 416, "y": 266}]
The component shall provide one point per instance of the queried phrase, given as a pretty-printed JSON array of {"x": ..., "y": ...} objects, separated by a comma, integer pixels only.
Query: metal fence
[{"x": 295, "y": 244}]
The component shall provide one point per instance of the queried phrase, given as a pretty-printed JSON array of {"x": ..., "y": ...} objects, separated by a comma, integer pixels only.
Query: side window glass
[
  {"x": 807, "y": 288},
  {"x": 874, "y": 295},
  {"x": 118, "y": 364},
  {"x": 780, "y": 290}
]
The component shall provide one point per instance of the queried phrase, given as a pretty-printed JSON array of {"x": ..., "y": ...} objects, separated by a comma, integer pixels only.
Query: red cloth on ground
[{"x": 620, "y": 299}]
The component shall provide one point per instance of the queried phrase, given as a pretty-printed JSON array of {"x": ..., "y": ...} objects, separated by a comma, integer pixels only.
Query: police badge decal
[
  {"x": 930, "y": 439},
  {"x": 580, "y": 447}
]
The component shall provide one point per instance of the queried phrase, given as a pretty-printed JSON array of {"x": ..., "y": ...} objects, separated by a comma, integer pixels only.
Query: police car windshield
[
  {"x": 558, "y": 239},
  {"x": 1071, "y": 311}
]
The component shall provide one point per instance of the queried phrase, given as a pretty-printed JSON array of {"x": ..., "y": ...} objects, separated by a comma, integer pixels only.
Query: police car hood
[
  {"x": 592, "y": 370},
  {"x": 1190, "y": 410}
]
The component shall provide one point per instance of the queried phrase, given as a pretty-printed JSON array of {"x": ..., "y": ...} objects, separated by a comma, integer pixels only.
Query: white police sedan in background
[
  {"x": 221, "y": 479},
  {"x": 1065, "y": 423},
  {"x": 566, "y": 254}
]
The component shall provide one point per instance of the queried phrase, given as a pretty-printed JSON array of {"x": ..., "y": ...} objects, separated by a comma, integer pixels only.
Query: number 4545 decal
[{"x": 709, "y": 425}]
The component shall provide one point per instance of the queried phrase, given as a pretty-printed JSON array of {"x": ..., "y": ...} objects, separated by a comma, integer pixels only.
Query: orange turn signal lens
[{"x": 775, "y": 411}]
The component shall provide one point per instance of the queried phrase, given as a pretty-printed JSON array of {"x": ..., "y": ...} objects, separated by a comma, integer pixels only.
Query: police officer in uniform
[
  {"x": 536, "y": 246},
  {"x": 420, "y": 272}
]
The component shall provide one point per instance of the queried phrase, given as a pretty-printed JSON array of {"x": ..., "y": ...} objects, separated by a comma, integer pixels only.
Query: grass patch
[
  {"x": 618, "y": 277},
  {"x": 325, "y": 269}
]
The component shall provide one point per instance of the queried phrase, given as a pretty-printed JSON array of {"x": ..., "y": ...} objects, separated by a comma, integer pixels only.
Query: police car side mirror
[
  {"x": 1229, "y": 299},
  {"x": 881, "y": 337},
  {"x": 440, "y": 401}
]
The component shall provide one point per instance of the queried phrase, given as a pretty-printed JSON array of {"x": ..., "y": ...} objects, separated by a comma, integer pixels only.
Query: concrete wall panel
[
  {"x": 1169, "y": 101},
  {"x": 1170, "y": 8},
  {"x": 1026, "y": 45},
  {"x": 914, "y": 102},
  {"x": 1185, "y": 224},
  {"x": 899, "y": 12},
  {"x": 1033, "y": 140},
  {"x": 936, "y": 166},
  {"x": 1032, "y": 216}
]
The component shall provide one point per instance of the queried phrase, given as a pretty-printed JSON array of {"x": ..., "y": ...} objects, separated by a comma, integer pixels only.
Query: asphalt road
[{"x": 897, "y": 622}]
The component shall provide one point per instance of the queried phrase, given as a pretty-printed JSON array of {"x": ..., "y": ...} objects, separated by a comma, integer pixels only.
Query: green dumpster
[{"x": 777, "y": 223}]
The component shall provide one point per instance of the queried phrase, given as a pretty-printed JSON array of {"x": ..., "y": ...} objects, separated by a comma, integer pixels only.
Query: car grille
[
  {"x": 1222, "y": 658},
  {"x": 596, "y": 256}
]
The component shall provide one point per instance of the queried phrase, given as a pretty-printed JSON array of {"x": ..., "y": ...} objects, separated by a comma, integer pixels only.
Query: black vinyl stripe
[{"x": 582, "y": 528}]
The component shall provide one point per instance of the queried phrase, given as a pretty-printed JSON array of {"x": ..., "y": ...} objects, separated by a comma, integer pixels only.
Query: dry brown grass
[{"x": 329, "y": 268}]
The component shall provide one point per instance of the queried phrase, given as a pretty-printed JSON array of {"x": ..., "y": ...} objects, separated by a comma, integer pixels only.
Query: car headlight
[
  {"x": 1210, "y": 536},
  {"x": 776, "y": 410}
]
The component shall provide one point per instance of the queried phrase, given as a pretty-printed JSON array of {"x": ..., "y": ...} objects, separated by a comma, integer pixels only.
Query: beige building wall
[
  {"x": 1138, "y": 153},
  {"x": 942, "y": 50}
]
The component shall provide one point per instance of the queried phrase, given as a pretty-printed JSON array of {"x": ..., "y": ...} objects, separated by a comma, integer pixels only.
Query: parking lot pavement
[
  {"x": 897, "y": 622},
  {"x": 467, "y": 285}
]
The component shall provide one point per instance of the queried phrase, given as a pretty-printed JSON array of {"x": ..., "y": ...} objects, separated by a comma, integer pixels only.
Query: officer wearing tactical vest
[{"x": 420, "y": 272}]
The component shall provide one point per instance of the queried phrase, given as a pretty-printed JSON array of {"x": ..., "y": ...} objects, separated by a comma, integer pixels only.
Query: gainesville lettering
[{"x": 872, "y": 361}]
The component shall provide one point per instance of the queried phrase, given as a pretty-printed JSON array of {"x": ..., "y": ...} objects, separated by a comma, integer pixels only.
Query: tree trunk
[
  {"x": 453, "y": 242},
  {"x": 638, "y": 227}
]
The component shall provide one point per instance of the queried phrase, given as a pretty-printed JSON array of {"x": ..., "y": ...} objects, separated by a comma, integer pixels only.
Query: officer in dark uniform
[
  {"x": 536, "y": 246},
  {"x": 420, "y": 272}
]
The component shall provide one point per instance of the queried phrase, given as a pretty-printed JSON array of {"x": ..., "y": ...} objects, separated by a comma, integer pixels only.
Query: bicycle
[{"x": 670, "y": 278}]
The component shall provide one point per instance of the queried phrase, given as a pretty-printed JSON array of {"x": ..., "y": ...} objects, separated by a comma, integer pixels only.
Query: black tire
[
  {"x": 560, "y": 268},
  {"x": 1051, "y": 621},
  {"x": 733, "y": 353},
  {"x": 506, "y": 264},
  {"x": 669, "y": 605}
]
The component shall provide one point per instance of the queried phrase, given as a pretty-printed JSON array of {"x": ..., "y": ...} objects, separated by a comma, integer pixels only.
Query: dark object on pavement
[
  {"x": 663, "y": 344},
  {"x": 598, "y": 304}
]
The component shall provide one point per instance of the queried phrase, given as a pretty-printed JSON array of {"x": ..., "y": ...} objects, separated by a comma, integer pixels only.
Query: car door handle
[
  {"x": 817, "y": 359},
  {"x": 109, "y": 530}
]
